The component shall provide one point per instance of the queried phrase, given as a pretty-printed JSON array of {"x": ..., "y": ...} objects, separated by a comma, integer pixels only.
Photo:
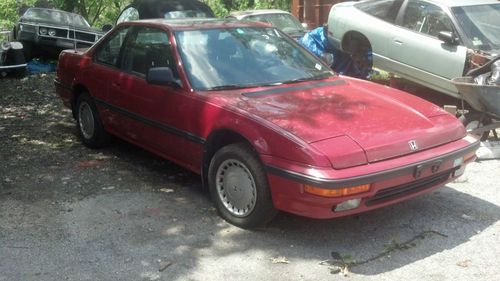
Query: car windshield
[
  {"x": 60, "y": 17},
  {"x": 245, "y": 57},
  {"x": 481, "y": 24},
  {"x": 185, "y": 14},
  {"x": 285, "y": 22}
]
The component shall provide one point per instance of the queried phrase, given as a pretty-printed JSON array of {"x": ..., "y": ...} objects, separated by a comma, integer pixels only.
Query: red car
[{"x": 267, "y": 125}]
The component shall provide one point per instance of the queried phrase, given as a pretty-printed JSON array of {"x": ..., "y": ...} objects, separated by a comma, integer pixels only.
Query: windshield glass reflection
[
  {"x": 60, "y": 17},
  {"x": 245, "y": 57},
  {"x": 481, "y": 23}
]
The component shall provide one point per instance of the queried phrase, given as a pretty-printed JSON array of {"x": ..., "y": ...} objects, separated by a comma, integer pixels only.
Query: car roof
[
  {"x": 242, "y": 14},
  {"x": 198, "y": 23},
  {"x": 149, "y": 9},
  {"x": 457, "y": 3}
]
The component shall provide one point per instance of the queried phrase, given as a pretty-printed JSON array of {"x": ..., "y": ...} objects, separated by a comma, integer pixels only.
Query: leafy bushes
[{"x": 100, "y": 12}]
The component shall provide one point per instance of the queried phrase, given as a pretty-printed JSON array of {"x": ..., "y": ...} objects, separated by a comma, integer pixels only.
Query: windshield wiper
[
  {"x": 226, "y": 87},
  {"x": 297, "y": 80},
  {"x": 242, "y": 86}
]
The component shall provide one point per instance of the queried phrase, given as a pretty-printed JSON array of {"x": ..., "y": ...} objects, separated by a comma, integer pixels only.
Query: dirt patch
[
  {"x": 40, "y": 146},
  {"x": 72, "y": 213}
]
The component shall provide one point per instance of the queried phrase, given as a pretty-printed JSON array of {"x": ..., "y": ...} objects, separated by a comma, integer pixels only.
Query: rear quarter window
[{"x": 386, "y": 10}]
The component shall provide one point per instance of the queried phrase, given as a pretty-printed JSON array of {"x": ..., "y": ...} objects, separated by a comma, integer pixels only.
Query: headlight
[
  {"x": 43, "y": 30},
  {"x": 52, "y": 32},
  {"x": 5, "y": 46}
]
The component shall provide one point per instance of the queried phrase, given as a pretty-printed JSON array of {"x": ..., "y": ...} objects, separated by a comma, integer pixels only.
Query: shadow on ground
[
  {"x": 71, "y": 213},
  {"x": 132, "y": 213}
]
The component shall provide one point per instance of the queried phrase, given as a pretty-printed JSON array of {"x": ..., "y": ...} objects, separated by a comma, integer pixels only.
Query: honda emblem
[{"x": 413, "y": 145}]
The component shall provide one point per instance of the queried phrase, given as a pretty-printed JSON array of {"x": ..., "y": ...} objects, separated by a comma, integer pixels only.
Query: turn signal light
[{"x": 337, "y": 192}]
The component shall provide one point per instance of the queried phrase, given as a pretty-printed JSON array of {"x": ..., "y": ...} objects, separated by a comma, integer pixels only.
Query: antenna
[{"x": 74, "y": 37}]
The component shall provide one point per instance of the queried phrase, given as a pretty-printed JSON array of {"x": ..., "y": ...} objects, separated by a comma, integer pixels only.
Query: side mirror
[
  {"x": 107, "y": 27},
  {"x": 161, "y": 76},
  {"x": 448, "y": 37},
  {"x": 305, "y": 25}
]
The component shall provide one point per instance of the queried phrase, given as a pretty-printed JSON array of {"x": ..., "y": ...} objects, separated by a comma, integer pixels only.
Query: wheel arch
[
  {"x": 352, "y": 40},
  {"x": 78, "y": 89},
  {"x": 215, "y": 141}
]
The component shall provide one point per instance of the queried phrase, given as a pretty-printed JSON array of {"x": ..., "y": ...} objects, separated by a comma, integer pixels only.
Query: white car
[
  {"x": 277, "y": 18},
  {"x": 426, "y": 41}
]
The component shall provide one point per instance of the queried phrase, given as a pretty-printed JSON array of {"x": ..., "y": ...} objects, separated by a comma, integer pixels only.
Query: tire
[
  {"x": 20, "y": 72},
  {"x": 248, "y": 203},
  {"x": 89, "y": 123},
  {"x": 473, "y": 121}
]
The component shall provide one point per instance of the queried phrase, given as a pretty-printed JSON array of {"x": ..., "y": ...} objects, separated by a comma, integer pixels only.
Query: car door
[
  {"x": 419, "y": 54},
  {"x": 373, "y": 19},
  {"x": 154, "y": 114},
  {"x": 102, "y": 74}
]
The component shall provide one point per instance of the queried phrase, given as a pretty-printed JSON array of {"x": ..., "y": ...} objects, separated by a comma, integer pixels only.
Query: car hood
[{"x": 380, "y": 120}]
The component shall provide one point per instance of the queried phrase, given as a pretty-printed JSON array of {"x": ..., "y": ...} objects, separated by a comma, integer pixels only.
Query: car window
[
  {"x": 386, "y": 10},
  {"x": 481, "y": 24},
  {"x": 128, "y": 14},
  {"x": 185, "y": 14},
  {"x": 426, "y": 18},
  {"x": 56, "y": 16},
  {"x": 109, "y": 50},
  {"x": 285, "y": 22},
  {"x": 146, "y": 48},
  {"x": 245, "y": 56}
]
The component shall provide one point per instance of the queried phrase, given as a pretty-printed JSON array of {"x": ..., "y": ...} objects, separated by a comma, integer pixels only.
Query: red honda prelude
[{"x": 266, "y": 124}]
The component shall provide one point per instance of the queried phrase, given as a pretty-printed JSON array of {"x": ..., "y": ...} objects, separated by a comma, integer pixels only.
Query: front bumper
[
  {"x": 12, "y": 67},
  {"x": 391, "y": 181},
  {"x": 64, "y": 37},
  {"x": 12, "y": 59}
]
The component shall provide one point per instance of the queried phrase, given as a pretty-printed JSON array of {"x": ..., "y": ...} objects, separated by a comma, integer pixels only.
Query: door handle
[
  {"x": 399, "y": 42},
  {"x": 115, "y": 84}
]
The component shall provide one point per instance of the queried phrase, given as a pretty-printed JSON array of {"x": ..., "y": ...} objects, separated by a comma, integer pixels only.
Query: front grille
[
  {"x": 89, "y": 37},
  {"x": 408, "y": 188},
  {"x": 63, "y": 33},
  {"x": 86, "y": 38}
]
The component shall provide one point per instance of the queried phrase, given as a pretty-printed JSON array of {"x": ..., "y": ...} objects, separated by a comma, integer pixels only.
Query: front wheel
[
  {"x": 239, "y": 188},
  {"x": 89, "y": 123}
]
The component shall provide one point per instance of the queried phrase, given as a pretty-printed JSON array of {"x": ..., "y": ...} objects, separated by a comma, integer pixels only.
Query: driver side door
[{"x": 423, "y": 57}]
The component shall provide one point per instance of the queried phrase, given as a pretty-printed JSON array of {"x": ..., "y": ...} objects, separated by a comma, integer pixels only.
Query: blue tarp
[
  {"x": 316, "y": 42},
  {"x": 36, "y": 66}
]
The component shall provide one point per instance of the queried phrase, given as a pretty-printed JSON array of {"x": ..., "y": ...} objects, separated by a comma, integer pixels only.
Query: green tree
[
  {"x": 9, "y": 10},
  {"x": 222, "y": 8},
  {"x": 100, "y": 12},
  {"x": 97, "y": 12}
]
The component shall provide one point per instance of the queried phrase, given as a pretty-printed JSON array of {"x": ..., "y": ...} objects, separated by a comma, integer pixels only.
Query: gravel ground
[{"x": 71, "y": 213}]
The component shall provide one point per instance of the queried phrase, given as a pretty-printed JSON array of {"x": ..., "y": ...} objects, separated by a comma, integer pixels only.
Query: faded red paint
[{"x": 351, "y": 130}]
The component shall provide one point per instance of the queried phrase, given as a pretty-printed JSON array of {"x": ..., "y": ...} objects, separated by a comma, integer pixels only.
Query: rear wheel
[
  {"x": 89, "y": 123},
  {"x": 239, "y": 188},
  {"x": 20, "y": 72},
  {"x": 360, "y": 51}
]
